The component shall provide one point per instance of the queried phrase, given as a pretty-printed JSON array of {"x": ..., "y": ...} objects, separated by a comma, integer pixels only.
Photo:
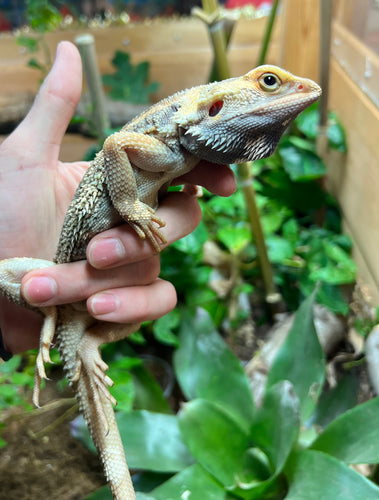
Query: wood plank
[
  {"x": 178, "y": 51},
  {"x": 300, "y": 38},
  {"x": 355, "y": 181},
  {"x": 359, "y": 61}
]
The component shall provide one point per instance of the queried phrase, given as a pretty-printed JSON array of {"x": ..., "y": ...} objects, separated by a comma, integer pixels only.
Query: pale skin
[{"x": 120, "y": 278}]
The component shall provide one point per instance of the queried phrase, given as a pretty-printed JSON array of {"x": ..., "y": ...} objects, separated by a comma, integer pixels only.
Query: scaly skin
[{"x": 239, "y": 119}]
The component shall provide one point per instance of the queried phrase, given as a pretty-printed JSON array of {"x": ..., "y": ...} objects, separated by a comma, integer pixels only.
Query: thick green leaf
[
  {"x": 192, "y": 483},
  {"x": 215, "y": 439},
  {"x": 153, "y": 441},
  {"x": 276, "y": 425},
  {"x": 145, "y": 481},
  {"x": 336, "y": 401},
  {"x": 316, "y": 476},
  {"x": 275, "y": 429},
  {"x": 123, "y": 390},
  {"x": 148, "y": 393},
  {"x": 206, "y": 368},
  {"x": 353, "y": 437},
  {"x": 301, "y": 360}
]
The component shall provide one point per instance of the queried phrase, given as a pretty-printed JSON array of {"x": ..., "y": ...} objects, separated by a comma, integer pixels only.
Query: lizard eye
[
  {"x": 215, "y": 108},
  {"x": 269, "y": 82}
]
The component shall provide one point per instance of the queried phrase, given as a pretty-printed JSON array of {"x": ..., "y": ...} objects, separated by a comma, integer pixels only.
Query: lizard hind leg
[
  {"x": 91, "y": 368},
  {"x": 96, "y": 402}
]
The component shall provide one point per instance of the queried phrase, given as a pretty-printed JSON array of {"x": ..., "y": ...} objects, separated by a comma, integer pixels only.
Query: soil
[{"x": 42, "y": 459}]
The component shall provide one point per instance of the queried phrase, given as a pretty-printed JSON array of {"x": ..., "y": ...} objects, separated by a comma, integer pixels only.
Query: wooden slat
[
  {"x": 178, "y": 51},
  {"x": 299, "y": 38},
  {"x": 355, "y": 181},
  {"x": 359, "y": 62}
]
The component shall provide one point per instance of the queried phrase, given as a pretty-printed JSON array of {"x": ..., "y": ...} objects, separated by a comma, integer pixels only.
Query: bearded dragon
[{"x": 235, "y": 120}]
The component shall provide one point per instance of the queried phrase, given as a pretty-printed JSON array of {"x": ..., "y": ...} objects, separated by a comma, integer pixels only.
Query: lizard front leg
[{"x": 123, "y": 153}]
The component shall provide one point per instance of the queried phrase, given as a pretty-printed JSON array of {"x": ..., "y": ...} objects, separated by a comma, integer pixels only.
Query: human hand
[{"x": 120, "y": 277}]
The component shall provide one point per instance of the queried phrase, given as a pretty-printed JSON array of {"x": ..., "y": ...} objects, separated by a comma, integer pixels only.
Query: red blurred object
[
  {"x": 5, "y": 25},
  {"x": 232, "y": 4}
]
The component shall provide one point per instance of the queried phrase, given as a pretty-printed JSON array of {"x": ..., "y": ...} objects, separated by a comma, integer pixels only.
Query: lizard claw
[
  {"x": 151, "y": 232},
  {"x": 145, "y": 222},
  {"x": 47, "y": 335}
]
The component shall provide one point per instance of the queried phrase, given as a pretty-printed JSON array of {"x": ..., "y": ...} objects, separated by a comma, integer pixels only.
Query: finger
[
  {"x": 47, "y": 121},
  {"x": 181, "y": 213},
  {"x": 66, "y": 283},
  {"x": 219, "y": 179},
  {"x": 133, "y": 304}
]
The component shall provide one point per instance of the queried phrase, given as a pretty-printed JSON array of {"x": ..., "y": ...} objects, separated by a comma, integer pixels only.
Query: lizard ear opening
[{"x": 215, "y": 108}]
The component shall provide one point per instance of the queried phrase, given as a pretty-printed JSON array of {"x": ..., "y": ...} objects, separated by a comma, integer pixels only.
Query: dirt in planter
[{"x": 42, "y": 460}]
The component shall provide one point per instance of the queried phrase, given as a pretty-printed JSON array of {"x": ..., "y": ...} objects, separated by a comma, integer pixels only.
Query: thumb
[{"x": 54, "y": 106}]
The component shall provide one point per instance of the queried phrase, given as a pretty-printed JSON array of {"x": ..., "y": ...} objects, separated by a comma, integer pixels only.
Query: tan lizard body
[{"x": 235, "y": 120}]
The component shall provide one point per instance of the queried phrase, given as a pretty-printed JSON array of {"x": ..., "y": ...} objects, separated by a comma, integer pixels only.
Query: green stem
[
  {"x": 245, "y": 177},
  {"x": 268, "y": 33},
  {"x": 244, "y": 170},
  {"x": 216, "y": 32}
]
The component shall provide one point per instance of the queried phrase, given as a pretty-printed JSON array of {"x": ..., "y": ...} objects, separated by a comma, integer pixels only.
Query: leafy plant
[
  {"x": 13, "y": 381},
  {"x": 222, "y": 446},
  {"x": 303, "y": 249},
  {"x": 43, "y": 17},
  {"x": 129, "y": 82}
]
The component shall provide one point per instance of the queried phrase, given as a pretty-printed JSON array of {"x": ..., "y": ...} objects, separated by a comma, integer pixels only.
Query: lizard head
[{"x": 242, "y": 119}]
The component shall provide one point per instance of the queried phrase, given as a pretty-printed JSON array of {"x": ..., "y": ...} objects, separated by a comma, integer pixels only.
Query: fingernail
[
  {"x": 103, "y": 303},
  {"x": 105, "y": 252},
  {"x": 39, "y": 290}
]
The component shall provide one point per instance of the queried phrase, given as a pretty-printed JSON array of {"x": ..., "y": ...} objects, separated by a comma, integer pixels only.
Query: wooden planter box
[
  {"x": 180, "y": 56},
  {"x": 178, "y": 50}
]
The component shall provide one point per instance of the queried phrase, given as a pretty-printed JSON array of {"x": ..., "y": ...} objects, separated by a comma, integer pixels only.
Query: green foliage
[
  {"x": 221, "y": 446},
  {"x": 43, "y": 17},
  {"x": 129, "y": 82},
  {"x": 306, "y": 383},
  {"x": 13, "y": 382}
]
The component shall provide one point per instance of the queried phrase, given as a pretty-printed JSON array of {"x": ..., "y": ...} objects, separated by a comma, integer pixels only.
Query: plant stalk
[
  {"x": 86, "y": 46},
  {"x": 268, "y": 33},
  {"x": 244, "y": 170},
  {"x": 218, "y": 38}
]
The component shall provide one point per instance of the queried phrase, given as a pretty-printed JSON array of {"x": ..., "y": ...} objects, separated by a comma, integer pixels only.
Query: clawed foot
[
  {"x": 93, "y": 367},
  {"x": 150, "y": 231},
  {"x": 90, "y": 370},
  {"x": 146, "y": 223},
  {"x": 40, "y": 373},
  {"x": 46, "y": 339}
]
